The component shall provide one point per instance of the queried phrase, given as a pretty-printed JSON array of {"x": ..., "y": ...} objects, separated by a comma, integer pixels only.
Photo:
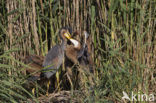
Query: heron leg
[
  {"x": 33, "y": 91},
  {"x": 48, "y": 85},
  {"x": 57, "y": 79}
]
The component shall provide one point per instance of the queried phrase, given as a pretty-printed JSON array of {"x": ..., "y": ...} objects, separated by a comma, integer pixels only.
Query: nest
[{"x": 59, "y": 97}]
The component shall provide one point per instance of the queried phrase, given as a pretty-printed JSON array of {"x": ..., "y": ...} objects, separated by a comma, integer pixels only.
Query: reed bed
[{"x": 123, "y": 44}]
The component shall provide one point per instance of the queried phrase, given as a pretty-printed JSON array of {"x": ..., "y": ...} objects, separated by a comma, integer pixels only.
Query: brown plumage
[
  {"x": 78, "y": 53},
  {"x": 71, "y": 51},
  {"x": 32, "y": 72},
  {"x": 82, "y": 53},
  {"x": 35, "y": 65}
]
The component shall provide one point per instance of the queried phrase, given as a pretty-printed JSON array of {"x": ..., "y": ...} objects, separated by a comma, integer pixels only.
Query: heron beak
[
  {"x": 75, "y": 42},
  {"x": 67, "y": 35}
]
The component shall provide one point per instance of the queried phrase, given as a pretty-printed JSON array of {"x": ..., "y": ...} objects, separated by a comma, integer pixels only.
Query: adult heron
[{"x": 55, "y": 56}]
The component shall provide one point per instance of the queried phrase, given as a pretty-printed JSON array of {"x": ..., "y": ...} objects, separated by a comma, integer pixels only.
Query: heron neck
[
  {"x": 84, "y": 41},
  {"x": 63, "y": 44}
]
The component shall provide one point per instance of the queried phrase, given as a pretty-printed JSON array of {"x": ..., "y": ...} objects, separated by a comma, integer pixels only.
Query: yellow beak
[{"x": 67, "y": 35}]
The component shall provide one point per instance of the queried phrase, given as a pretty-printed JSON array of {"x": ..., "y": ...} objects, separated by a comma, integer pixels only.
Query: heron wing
[
  {"x": 53, "y": 57},
  {"x": 52, "y": 61}
]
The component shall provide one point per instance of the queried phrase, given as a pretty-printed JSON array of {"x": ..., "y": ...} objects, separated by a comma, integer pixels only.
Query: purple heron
[{"x": 55, "y": 56}]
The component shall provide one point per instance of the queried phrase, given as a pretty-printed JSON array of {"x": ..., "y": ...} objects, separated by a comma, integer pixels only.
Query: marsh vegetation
[{"x": 123, "y": 34}]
